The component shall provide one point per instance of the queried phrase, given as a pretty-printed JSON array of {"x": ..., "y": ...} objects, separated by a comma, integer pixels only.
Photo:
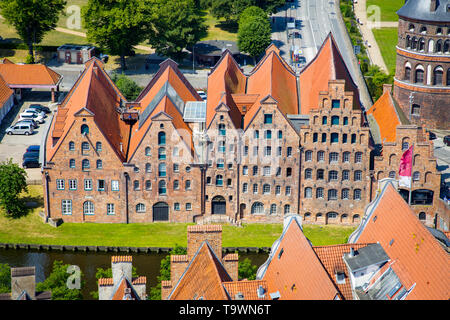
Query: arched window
[
  {"x": 421, "y": 44},
  {"x": 320, "y": 174},
  {"x": 140, "y": 208},
  {"x": 423, "y": 30},
  {"x": 245, "y": 188},
  {"x": 84, "y": 129},
  {"x": 408, "y": 42},
  {"x": 332, "y": 194},
  {"x": 431, "y": 46},
  {"x": 219, "y": 180},
  {"x": 148, "y": 185},
  {"x": 176, "y": 184},
  {"x": 345, "y": 193},
  {"x": 84, "y": 147},
  {"x": 392, "y": 159},
  {"x": 266, "y": 188},
  {"x": 407, "y": 73},
  {"x": 358, "y": 175},
  {"x": 71, "y": 146},
  {"x": 308, "y": 174},
  {"x": 411, "y": 27},
  {"x": 324, "y": 120},
  {"x": 162, "y": 138},
  {"x": 99, "y": 164},
  {"x": 357, "y": 194},
  {"x": 308, "y": 155},
  {"x": 319, "y": 193},
  {"x": 335, "y": 120},
  {"x": 148, "y": 167},
  {"x": 72, "y": 163},
  {"x": 162, "y": 187},
  {"x": 334, "y": 137},
  {"x": 148, "y": 151},
  {"x": 162, "y": 153},
  {"x": 268, "y": 134},
  {"x": 358, "y": 157},
  {"x": 446, "y": 46},
  {"x": 308, "y": 192},
  {"x": 422, "y": 216},
  {"x": 324, "y": 137},
  {"x": 418, "y": 77},
  {"x": 88, "y": 207},
  {"x": 416, "y": 176},
  {"x": 287, "y": 209},
  {"x": 98, "y": 146},
  {"x": 273, "y": 209},
  {"x": 85, "y": 164},
  {"x": 438, "y": 46},
  {"x": 136, "y": 185},
  {"x": 222, "y": 146},
  {"x": 438, "y": 74},
  {"x": 320, "y": 156},
  {"x": 414, "y": 43},
  {"x": 332, "y": 175},
  {"x": 334, "y": 157},
  {"x": 162, "y": 170},
  {"x": 222, "y": 130},
  {"x": 257, "y": 208}
]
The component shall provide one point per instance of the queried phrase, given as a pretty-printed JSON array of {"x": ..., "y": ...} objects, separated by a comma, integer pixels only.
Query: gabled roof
[
  {"x": 5, "y": 92},
  {"x": 293, "y": 269},
  {"x": 273, "y": 76},
  {"x": 247, "y": 289},
  {"x": 17, "y": 75},
  {"x": 225, "y": 79},
  {"x": 167, "y": 92},
  {"x": 331, "y": 258},
  {"x": 388, "y": 115},
  {"x": 95, "y": 94},
  {"x": 202, "y": 278},
  {"x": 327, "y": 65},
  {"x": 420, "y": 258}
]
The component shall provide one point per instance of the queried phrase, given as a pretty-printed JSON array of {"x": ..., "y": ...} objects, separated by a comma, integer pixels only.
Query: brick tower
[{"x": 422, "y": 75}]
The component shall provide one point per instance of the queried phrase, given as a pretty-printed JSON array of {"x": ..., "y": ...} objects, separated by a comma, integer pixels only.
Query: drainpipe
[
  {"x": 126, "y": 197},
  {"x": 47, "y": 178},
  {"x": 299, "y": 178}
]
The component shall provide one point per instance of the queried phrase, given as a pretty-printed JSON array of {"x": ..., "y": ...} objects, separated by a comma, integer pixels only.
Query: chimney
[
  {"x": 433, "y": 5},
  {"x": 352, "y": 252},
  {"x": 166, "y": 288},
  {"x": 23, "y": 279},
  {"x": 198, "y": 233},
  {"x": 178, "y": 264},
  {"x": 121, "y": 266},
  {"x": 387, "y": 88},
  {"x": 231, "y": 264}
]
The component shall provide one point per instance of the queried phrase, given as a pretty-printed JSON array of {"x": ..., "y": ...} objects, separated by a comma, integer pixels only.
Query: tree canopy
[
  {"x": 175, "y": 25},
  {"x": 12, "y": 183},
  {"x": 254, "y": 35},
  {"x": 116, "y": 25},
  {"x": 128, "y": 87},
  {"x": 230, "y": 10},
  {"x": 32, "y": 19},
  {"x": 5, "y": 278}
]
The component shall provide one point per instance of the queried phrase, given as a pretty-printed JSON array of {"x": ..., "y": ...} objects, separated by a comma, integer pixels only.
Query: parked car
[
  {"x": 35, "y": 111},
  {"x": 40, "y": 108},
  {"x": 33, "y": 123},
  {"x": 202, "y": 94},
  {"x": 447, "y": 140},
  {"x": 35, "y": 117},
  {"x": 23, "y": 128},
  {"x": 31, "y": 154},
  {"x": 31, "y": 163},
  {"x": 33, "y": 148}
]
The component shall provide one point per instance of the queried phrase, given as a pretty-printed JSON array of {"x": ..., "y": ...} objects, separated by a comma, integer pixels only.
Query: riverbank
[{"x": 30, "y": 230}]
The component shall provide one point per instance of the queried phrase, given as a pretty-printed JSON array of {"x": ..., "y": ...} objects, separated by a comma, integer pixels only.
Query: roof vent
[
  {"x": 261, "y": 292},
  {"x": 239, "y": 296}
]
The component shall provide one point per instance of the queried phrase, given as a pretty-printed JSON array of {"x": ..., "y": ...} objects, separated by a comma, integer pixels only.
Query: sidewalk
[{"x": 367, "y": 34}]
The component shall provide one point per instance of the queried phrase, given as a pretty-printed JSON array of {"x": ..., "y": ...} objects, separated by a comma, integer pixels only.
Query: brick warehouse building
[
  {"x": 422, "y": 75},
  {"x": 239, "y": 156}
]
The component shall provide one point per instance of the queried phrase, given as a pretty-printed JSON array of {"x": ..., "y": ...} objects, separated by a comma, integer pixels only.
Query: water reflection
[{"x": 146, "y": 264}]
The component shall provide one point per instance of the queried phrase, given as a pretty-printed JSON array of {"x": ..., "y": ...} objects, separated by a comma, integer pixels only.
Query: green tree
[
  {"x": 254, "y": 35},
  {"x": 176, "y": 25},
  {"x": 251, "y": 12},
  {"x": 128, "y": 87},
  {"x": 116, "y": 25},
  {"x": 247, "y": 270},
  {"x": 375, "y": 79},
  {"x": 229, "y": 10},
  {"x": 12, "y": 183},
  {"x": 270, "y": 6},
  {"x": 32, "y": 19},
  {"x": 57, "y": 283},
  {"x": 164, "y": 272},
  {"x": 5, "y": 278},
  {"x": 107, "y": 273}
]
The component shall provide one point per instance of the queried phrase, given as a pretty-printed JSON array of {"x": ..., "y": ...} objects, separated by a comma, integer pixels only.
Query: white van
[{"x": 20, "y": 128}]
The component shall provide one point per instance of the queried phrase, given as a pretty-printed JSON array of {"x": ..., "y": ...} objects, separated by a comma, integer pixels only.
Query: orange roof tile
[
  {"x": 95, "y": 92},
  {"x": 5, "y": 92},
  {"x": 248, "y": 289},
  {"x": 327, "y": 65},
  {"x": 202, "y": 278},
  {"x": 295, "y": 271},
  {"x": 28, "y": 74},
  {"x": 331, "y": 259},
  {"x": 386, "y": 115},
  {"x": 407, "y": 241}
]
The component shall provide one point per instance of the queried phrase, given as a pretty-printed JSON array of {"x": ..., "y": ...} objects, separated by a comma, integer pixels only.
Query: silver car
[{"x": 21, "y": 128}]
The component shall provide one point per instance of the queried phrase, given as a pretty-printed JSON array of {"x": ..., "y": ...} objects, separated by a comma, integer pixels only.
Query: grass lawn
[
  {"x": 30, "y": 229},
  {"x": 387, "y": 39},
  {"x": 217, "y": 30},
  {"x": 388, "y": 8}
]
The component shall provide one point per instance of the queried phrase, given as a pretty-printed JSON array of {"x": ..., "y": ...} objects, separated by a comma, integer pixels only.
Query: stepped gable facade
[{"x": 422, "y": 75}]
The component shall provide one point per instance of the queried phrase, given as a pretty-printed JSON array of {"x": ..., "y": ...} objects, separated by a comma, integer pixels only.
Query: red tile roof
[
  {"x": 203, "y": 278},
  {"x": 28, "y": 74},
  {"x": 5, "y": 92},
  {"x": 95, "y": 93},
  {"x": 409, "y": 243},
  {"x": 248, "y": 289},
  {"x": 331, "y": 259},
  {"x": 327, "y": 65},
  {"x": 295, "y": 271}
]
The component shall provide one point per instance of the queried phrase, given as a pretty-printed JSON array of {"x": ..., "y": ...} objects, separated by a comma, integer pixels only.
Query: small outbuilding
[
  {"x": 209, "y": 52},
  {"x": 77, "y": 54}
]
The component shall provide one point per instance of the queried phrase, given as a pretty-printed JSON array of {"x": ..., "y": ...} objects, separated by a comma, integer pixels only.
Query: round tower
[{"x": 422, "y": 76}]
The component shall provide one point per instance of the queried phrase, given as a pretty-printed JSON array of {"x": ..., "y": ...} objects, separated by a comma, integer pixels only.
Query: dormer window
[
  {"x": 84, "y": 129},
  {"x": 340, "y": 277}
]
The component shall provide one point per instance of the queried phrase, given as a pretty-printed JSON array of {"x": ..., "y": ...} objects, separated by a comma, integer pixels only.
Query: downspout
[
  {"x": 47, "y": 195},
  {"x": 299, "y": 178},
  {"x": 126, "y": 197}
]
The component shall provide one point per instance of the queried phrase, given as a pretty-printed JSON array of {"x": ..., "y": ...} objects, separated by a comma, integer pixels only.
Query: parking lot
[{"x": 14, "y": 146}]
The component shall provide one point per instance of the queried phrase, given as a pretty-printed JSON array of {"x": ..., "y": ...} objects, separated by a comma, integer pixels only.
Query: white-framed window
[
  {"x": 308, "y": 155},
  {"x": 416, "y": 176},
  {"x": 345, "y": 193},
  {"x": 257, "y": 208},
  {"x": 88, "y": 184},
  {"x": 148, "y": 185},
  {"x": 357, "y": 194},
  {"x": 287, "y": 209},
  {"x": 308, "y": 192},
  {"x": 278, "y": 190},
  {"x": 255, "y": 188},
  {"x": 72, "y": 163},
  {"x": 60, "y": 184},
  {"x": 245, "y": 170},
  {"x": 334, "y": 157},
  {"x": 110, "y": 209},
  {"x": 358, "y": 157},
  {"x": 66, "y": 206},
  {"x": 358, "y": 175},
  {"x": 289, "y": 151},
  {"x": 72, "y": 184},
  {"x": 176, "y": 185},
  {"x": 148, "y": 167},
  {"x": 333, "y": 175},
  {"x": 288, "y": 190},
  {"x": 319, "y": 193},
  {"x": 332, "y": 194},
  {"x": 268, "y": 151},
  {"x": 266, "y": 188},
  {"x": 140, "y": 208},
  {"x": 176, "y": 206},
  {"x": 88, "y": 207},
  {"x": 266, "y": 171},
  {"x": 308, "y": 174},
  {"x": 320, "y": 156},
  {"x": 346, "y": 157},
  {"x": 245, "y": 188},
  {"x": 114, "y": 185},
  {"x": 188, "y": 206},
  {"x": 273, "y": 208},
  {"x": 345, "y": 175}
]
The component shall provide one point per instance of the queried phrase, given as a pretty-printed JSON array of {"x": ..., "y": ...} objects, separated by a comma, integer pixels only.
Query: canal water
[{"x": 147, "y": 264}]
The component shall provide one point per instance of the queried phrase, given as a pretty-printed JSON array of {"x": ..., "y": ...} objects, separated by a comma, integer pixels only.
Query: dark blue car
[{"x": 33, "y": 148}]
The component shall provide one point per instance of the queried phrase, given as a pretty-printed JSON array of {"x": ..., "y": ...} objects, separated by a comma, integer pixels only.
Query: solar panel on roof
[{"x": 195, "y": 111}]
